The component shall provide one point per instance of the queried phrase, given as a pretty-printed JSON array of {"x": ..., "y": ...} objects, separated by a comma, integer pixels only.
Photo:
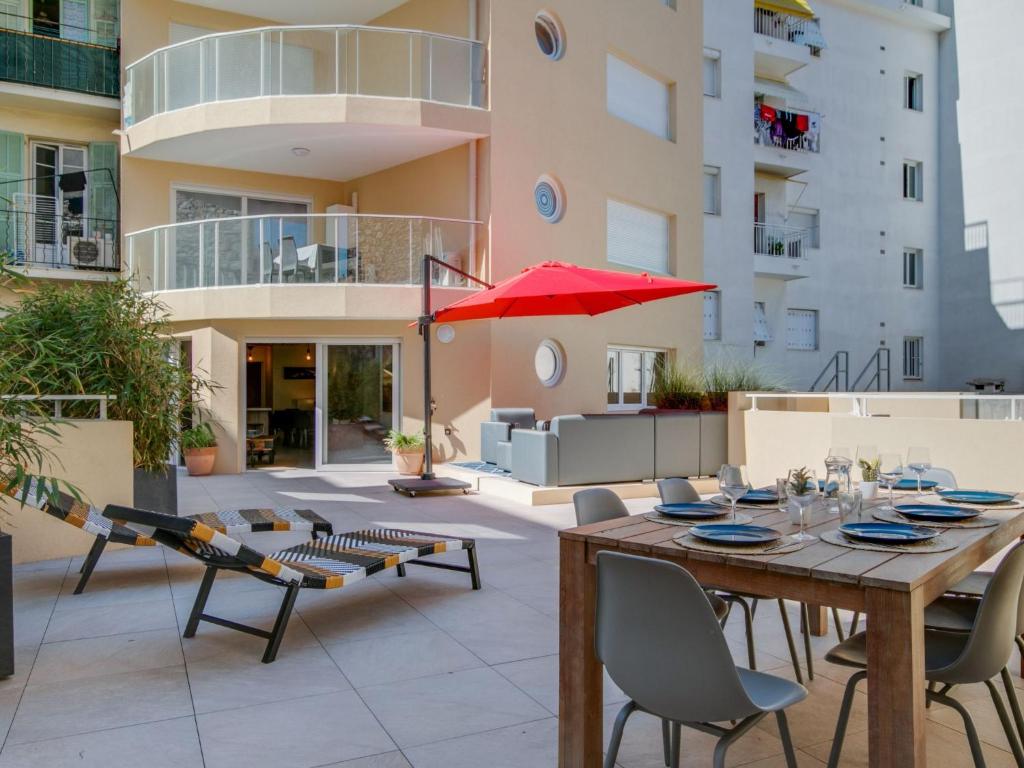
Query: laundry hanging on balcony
[{"x": 789, "y": 130}]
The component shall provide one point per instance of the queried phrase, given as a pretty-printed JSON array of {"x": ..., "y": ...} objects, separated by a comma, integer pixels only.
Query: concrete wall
[
  {"x": 771, "y": 449},
  {"x": 982, "y": 324},
  {"x": 855, "y": 184},
  {"x": 103, "y": 477}
]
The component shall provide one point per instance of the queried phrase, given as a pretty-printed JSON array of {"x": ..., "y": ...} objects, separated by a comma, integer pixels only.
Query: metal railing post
[{"x": 103, "y": 408}]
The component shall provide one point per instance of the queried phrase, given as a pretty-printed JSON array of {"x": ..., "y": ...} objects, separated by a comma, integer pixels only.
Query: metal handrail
[
  {"x": 839, "y": 364},
  {"x": 58, "y": 401},
  {"x": 780, "y": 240},
  {"x": 859, "y": 400},
  {"x": 880, "y": 369}
]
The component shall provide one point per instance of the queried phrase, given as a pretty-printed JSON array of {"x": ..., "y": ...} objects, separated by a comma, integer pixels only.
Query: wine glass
[
  {"x": 803, "y": 491},
  {"x": 733, "y": 483},
  {"x": 919, "y": 460},
  {"x": 890, "y": 470}
]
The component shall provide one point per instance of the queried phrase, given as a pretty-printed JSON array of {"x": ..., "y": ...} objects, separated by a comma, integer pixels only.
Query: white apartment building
[{"x": 821, "y": 153}]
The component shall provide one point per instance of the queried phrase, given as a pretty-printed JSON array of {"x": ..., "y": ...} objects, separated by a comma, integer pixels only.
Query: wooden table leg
[
  {"x": 579, "y": 677},
  {"x": 896, "y": 737},
  {"x": 819, "y": 619}
]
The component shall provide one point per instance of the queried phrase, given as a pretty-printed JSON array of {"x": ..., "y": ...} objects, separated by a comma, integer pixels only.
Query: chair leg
[
  {"x": 666, "y": 741},
  {"x": 839, "y": 625},
  {"x": 200, "y": 604},
  {"x": 789, "y": 640},
  {"x": 1013, "y": 700},
  {"x": 787, "y": 741},
  {"x": 1020, "y": 647},
  {"x": 677, "y": 743},
  {"x": 844, "y": 717},
  {"x": 972, "y": 732},
  {"x": 90, "y": 562},
  {"x": 748, "y": 626},
  {"x": 281, "y": 624},
  {"x": 620, "y": 722},
  {"x": 805, "y": 627},
  {"x": 1004, "y": 719},
  {"x": 474, "y": 567},
  {"x": 400, "y": 570}
]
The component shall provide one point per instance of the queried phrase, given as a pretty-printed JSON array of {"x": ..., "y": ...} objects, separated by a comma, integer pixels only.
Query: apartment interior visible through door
[{"x": 359, "y": 403}]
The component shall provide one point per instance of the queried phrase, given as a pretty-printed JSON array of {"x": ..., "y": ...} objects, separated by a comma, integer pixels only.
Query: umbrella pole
[{"x": 425, "y": 321}]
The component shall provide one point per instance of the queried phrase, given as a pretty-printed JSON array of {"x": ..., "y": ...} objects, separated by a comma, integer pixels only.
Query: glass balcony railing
[
  {"x": 306, "y": 61},
  {"x": 321, "y": 249},
  {"x": 86, "y": 62}
]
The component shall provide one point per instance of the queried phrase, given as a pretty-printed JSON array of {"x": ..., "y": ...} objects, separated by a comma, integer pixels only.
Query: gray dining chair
[
  {"x": 956, "y": 658},
  {"x": 646, "y": 611},
  {"x": 679, "y": 490},
  {"x": 943, "y": 477}
]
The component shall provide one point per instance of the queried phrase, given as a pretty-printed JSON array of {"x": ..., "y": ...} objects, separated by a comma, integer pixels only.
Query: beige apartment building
[{"x": 285, "y": 166}]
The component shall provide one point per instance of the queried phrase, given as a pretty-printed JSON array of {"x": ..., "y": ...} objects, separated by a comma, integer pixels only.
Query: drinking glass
[
  {"x": 733, "y": 483},
  {"x": 839, "y": 452},
  {"x": 890, "y": 470},
  {"x": 782, "y": 492},
  {"x": 849, "y": 505},
  {"x": 919, "y": 460},
  {"x": 803, "y": 498}
]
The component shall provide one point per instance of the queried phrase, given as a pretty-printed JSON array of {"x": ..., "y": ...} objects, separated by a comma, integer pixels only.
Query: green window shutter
[
  {"x": 103, "y": 208},
  {"x": 12, "y": 172}
]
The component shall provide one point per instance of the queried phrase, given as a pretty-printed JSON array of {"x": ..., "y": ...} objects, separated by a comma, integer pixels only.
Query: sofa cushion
[
  {"x": 521, "y": 418},
  {"x": 605, "y": 448}
]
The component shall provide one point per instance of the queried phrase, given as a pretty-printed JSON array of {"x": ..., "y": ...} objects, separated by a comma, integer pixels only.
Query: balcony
[
  {"x": 90, "y": 65},
  {"x": 785, "y": 140},
  {"x": 359, "y": 98},
  {"x": 281, "y": 260},
  {"x": 781, "y": 252},
  {"x": 41, "y": 241},
  {"x": 783, "y": 43}
]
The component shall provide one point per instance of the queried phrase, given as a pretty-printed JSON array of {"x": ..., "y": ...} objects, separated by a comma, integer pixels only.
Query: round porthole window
[
  {"x": 550, "y": 35},
  {"x": 549, "y": 198},
  {"x": 549, "y": 362}
]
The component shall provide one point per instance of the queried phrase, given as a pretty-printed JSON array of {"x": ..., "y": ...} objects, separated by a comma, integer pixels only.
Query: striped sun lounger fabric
[{"x": 237, "y": 521}]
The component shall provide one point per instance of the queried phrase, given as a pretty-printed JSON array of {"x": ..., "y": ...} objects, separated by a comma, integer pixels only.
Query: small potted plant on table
[
  {"x": 869, "y": 477},
  {"x": 199, "y": 445},
  {"x": 407, "y": 451}
]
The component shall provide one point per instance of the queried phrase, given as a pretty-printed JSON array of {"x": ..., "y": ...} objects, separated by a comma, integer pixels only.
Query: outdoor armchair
[{"x": 329, "y": 563}]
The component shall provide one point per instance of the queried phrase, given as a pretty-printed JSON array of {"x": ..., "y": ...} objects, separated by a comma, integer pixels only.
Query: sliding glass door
[{"x": 359, "y": 402}]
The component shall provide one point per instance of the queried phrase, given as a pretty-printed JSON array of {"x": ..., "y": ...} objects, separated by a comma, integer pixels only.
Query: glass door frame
[{"x": 320, "y": 417}]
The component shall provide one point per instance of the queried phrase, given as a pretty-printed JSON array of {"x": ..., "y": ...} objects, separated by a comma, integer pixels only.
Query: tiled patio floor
[{"x": 389, "y": 673}]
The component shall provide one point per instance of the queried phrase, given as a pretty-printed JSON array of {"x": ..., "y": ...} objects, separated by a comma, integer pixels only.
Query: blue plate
[
  {"x": 910, "y": 484},
  {"x": 759, "y": 496},
  {"x": 976, "y": 497},
  {"x": 936, "y": 513},
  {"x": 887, "y": 533},
  {"x": 691, "y": 510},
  {"x": 740, "y": 535}
]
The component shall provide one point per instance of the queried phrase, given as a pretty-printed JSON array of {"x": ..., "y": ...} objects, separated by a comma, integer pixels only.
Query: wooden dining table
[{"x": 891, "y": 588}]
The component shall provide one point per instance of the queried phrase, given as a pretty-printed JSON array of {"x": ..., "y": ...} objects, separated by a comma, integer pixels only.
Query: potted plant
[
  {"x": 407, "y": 451},
  {"x": 869, "y": 477},
  {"x": 676, "y": 388},
  {"x": 199, "y": 446}
]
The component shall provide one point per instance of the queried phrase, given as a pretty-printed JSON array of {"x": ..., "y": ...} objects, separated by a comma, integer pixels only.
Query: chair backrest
[
  {"x": 289, "y": 254},
  {"x": 677, "y": 490},
  {"x": 990, "y": 644},
  {"x": 943, "y": 477},
  {"x": 595, "y": 505},
  {"x": 521, "y": 418},
  {"x": 198, "y": 540},
  {"x": 658, "y": 637}
]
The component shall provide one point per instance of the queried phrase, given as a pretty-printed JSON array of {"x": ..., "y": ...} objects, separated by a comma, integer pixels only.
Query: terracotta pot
[
  {"x": 408, "y": 461},
  {"x": 200, "y": 460}
]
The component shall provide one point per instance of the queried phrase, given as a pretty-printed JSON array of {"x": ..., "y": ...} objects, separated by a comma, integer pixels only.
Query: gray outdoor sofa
[{"x": 609, "y": 448}]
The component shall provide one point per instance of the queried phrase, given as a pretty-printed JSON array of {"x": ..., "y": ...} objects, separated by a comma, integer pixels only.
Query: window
[
  {"x": 913, "y": 268},
  {"x": 802, "y": 329},
  {"x": 550, "y": 35},
  {"x": 669, "y": 4},
  {"x": 913, "y": 181},
  {"x": 913, "y": 366},
  {"x": 712, "y": 72},
  {"x": 638, "y": 237},
  {"x": 631, "y": 374},
  {"x": 712, "y": 315},
  {"x": 712, "y": 190},
  {"x": 913, "y": 96},
  {"x": 762, "y": 331},
  {"x": 638, "y": 98}
]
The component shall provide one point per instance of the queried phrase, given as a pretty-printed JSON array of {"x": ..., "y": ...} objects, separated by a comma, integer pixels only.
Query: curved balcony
[
  {"x": 264, "y": 257},
  {"x": 253, "y": 91}
]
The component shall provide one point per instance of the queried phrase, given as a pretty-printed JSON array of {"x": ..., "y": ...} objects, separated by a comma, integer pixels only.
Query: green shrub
[
  {"x": 199, "y": 436},
  {"x": 677, "y": 386},
  {"x": 401, "y": 441}
]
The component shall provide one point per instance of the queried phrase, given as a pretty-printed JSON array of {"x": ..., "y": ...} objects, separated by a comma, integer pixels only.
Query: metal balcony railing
[
  {"x": 308, "y": 249},
  {"x": 35, "y": 234},
  {"x": 775, "y": 240},
  {"x": 306, "y": 61},
  {"x": 782, "y": 26},
  {"x": 62, "y": 57},
  {"x": 787, "y": 128}
]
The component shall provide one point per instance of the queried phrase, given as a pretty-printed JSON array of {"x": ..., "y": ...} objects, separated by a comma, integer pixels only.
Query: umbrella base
[{"x": 414, "y": 486}]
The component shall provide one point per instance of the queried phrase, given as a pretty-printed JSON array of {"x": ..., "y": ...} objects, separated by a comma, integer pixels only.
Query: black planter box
[
  {"x": 157, "y": 491},
  {"x": 6, "y": 608}
]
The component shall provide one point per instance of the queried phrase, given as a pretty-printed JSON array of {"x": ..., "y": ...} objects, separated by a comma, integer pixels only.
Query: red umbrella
[
  {"x": 556, "y": 288},
  {"x": 549, "y": 288}
]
